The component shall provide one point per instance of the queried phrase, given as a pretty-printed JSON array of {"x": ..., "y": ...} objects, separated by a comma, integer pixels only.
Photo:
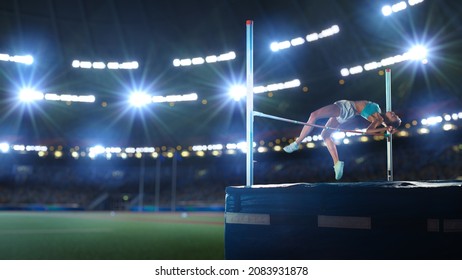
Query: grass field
[{"x": 111, "y": 236}]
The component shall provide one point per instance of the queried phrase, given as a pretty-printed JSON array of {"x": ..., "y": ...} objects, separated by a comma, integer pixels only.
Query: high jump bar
[{"x": 259, "y": 114}]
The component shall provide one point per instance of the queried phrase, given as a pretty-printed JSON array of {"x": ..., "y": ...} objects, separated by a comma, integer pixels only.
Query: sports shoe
[
  {"x": 338, "y": 168},
  {"x": 291, "y": 148}
]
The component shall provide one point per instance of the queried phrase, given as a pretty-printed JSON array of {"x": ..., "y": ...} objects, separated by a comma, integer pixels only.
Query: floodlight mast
[{"x": 249, "y": 113}]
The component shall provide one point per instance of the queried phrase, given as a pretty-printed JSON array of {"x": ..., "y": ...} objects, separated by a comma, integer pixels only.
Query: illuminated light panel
[
  {"x": 181, "y": 62},
  {"x": 211, "y": 147},
  {"x": 418, "y": 53},
  {"x": 297, "y": 41},
  {"x": 129, "y": 65},
  {"x": 139, "y": 99},
  {"x": 432, "y": 120},
  {"x": 69, "y": 97},
  {"x": 29, "y": 95},
  {"x": 238, "y": 92},
  {"x": 387, "y": 10},
  {"x": 277, "y": 86},
  {"x": 175, "y": 98},
  {"x": 30, "y": 148},
  {"x": 23, "y": 59},
  {"x": 19, "y": 148},
  {"x": 338, "y": 135},
  {"x": 277, "y": 46}
]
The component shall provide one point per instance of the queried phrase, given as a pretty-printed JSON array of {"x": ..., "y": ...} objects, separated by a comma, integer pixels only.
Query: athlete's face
[{"x": 392, "y": 116}]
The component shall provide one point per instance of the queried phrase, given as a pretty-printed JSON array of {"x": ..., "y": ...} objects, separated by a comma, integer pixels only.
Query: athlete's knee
[
  {"x": 326, "y": 134},
  {"x": 313, "y": 117}
]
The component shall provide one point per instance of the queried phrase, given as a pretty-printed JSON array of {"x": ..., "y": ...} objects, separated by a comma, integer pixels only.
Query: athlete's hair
[{"x": 394, "y": 123}]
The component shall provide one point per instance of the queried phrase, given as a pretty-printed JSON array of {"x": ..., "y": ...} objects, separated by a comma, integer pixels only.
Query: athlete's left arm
[{"x": 376, "y": 120}]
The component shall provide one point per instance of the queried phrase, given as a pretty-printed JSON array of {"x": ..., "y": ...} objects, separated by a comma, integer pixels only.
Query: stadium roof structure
[{"x": 155, "y": 33}]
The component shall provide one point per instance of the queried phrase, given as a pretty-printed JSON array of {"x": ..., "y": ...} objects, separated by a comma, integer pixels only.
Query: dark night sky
[{"x": 156, "y": 32}]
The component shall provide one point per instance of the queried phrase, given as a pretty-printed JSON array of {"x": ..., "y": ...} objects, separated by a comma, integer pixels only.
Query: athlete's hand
[{"x": 391, "y": 129}]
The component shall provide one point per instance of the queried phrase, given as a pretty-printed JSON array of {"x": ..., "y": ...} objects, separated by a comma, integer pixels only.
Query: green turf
[{"x": 100, "y": 235}]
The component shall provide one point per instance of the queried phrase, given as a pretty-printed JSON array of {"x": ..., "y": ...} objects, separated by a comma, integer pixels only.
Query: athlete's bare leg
[{"x": 329, "y": 111}]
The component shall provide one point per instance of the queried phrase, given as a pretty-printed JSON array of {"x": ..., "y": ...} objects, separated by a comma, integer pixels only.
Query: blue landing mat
[{"x": 365, "y": 220}]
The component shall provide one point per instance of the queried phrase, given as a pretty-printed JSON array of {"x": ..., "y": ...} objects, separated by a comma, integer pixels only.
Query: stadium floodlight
[
  {"x": 356, "y": 69},
  {"x": 237, "y": 92},
  {"x": 227, "y": 56},
  {"x": 113, "y": 65},
  {"x": 399, "y": 6},
  {"x": 177, "y": 62},
  {"x": 102, "y": 65},
  {"x": 98, "y": 65},
  {"x": 198, "y": 60},
  {"x": 432, "y": 120},
  {"x": 414, "y": 2},
  {"x": 23, "y": 59},
  {"x": 334, "y": 29},
  {"x": 297, "y": 41},
  {"x": 185, "y": 62},
  {"x": 312, "y": 37},
  {"x": 70, "y": 97},
  {"x": 175, "y": 98},
  {"x": 139, "y": 99},
  {"x": 4, "y": 147},
  {"x": 129, "y": 65},
  {"x": 371, "y": 66},
  {"x": 417, "y": 53},
  {"x": 277, "y": 86},
  {"x": 276, "y": 46},
  {"x": 211, "y": 59},
  {"x": 96, "y": 150},
  {"x": 344, "y": 72},
  {"x": 29, "y": 95},
  {"x": 387, "y": 10}
]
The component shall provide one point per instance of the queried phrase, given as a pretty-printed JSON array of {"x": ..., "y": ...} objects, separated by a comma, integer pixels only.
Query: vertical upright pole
[
  {"x": 157, "y": 186},
  {"x": 389, "y": 135},
  {"x": 249, "y": 113},
  {"x": 174, "y": 179},
  {"x": 141, "y": 185}
]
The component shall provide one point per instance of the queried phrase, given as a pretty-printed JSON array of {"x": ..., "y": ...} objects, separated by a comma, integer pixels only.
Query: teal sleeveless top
[{"x": 370, "y": 109}]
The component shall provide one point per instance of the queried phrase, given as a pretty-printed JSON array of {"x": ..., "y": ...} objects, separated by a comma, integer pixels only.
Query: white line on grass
[{"x": 53, "y": 231}]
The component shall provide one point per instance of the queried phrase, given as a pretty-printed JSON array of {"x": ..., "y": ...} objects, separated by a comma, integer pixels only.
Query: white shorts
[{"x": 347, "y": 110}]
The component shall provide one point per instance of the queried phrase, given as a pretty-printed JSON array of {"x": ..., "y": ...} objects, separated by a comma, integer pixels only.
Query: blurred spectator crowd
[{"x": 116, "y": 184}]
